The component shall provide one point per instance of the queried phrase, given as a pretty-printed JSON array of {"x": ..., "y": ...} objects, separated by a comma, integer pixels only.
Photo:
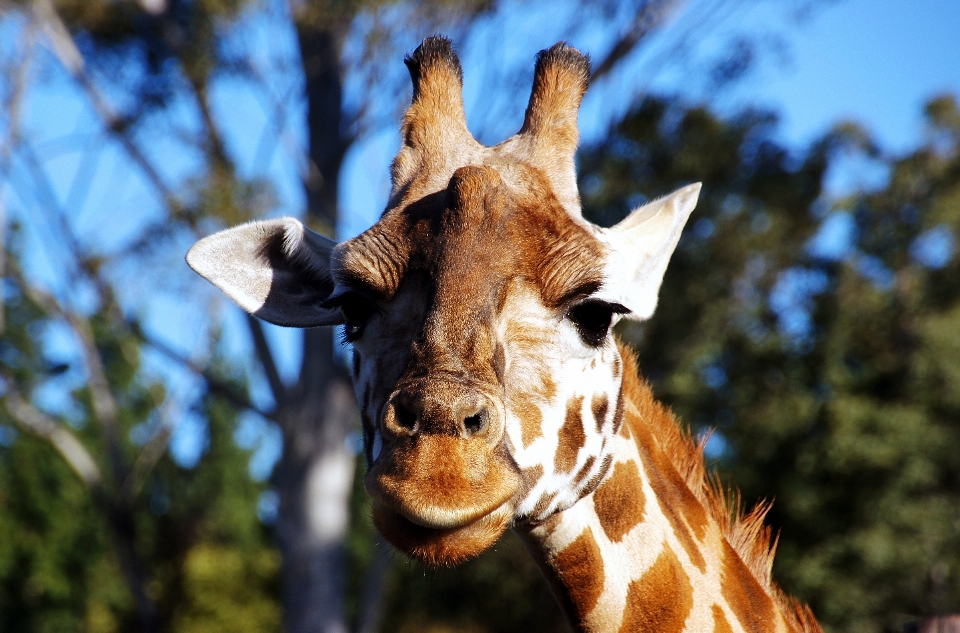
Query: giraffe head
[{"x": 479, "y": 308}]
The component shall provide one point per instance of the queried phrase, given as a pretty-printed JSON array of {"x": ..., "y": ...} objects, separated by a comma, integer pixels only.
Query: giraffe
[{"x": 493, "y": 394}]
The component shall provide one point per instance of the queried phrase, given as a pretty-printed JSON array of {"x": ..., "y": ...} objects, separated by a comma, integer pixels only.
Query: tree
[
  {"x": 100, "y": 529},
  {"x": 819, "y": 338},
  {"x": 150, "y": 74}
]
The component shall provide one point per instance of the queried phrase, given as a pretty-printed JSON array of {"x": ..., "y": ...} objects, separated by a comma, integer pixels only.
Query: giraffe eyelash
[{"x": 357, "y": 310}]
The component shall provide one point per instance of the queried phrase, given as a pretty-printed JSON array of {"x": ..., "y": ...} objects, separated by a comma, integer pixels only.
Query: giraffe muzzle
[
  {"x": 444, "y": 473},
  {"x": 443, "y": 499},
  {"x": 441, "y": 481}
]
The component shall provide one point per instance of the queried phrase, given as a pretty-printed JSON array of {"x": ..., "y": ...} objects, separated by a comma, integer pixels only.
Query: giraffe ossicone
[{"x": 492, "y": 392}]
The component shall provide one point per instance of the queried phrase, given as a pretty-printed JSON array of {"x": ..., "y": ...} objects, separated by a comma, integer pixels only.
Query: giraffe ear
[
  {"x": 277, "y": 270},
  {"x": 641, "y": 248}
]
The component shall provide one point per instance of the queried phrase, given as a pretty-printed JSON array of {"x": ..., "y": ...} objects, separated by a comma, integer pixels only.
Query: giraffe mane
[{"x": 745, "y": 530}]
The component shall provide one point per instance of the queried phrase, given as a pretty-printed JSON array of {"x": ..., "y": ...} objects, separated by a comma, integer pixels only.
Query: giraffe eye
[
  {"x": 356, "y": 310},
  {"x": 592, "y": 319}
]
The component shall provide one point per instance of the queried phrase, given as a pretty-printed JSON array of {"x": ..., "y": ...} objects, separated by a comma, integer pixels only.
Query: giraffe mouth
[
  {"x": 442, "y": 499},
  {"x": 441, "y": 547}
]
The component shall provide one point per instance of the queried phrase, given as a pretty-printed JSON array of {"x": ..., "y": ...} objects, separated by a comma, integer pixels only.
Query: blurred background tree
[
  {"x": 129, "y": 540},
  {"x": 139, "y": 411},
  {"x": 159, "y": 82},
  {"x": 819, "y": 338}
]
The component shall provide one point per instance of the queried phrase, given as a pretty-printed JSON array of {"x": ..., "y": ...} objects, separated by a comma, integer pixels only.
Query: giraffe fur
[{"x": 493, "y": 393}]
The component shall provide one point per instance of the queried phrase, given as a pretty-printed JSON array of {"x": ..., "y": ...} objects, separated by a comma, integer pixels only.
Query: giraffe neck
[{"x": 643, "y": 553}]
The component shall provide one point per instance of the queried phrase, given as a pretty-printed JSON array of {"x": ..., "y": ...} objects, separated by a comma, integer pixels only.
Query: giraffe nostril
[
  {"x": 476, "y": 423},
  {"x": 404, "y": 417}
]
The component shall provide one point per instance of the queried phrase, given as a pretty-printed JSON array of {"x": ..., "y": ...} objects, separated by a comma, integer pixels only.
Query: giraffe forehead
[{"x": 473, "y": 237}]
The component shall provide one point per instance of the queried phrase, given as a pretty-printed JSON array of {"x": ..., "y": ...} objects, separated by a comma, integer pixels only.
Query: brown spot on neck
[
  {"x": 572, "y": 437},
  {"x": 544, "y": 502},
  {"x": 579, "y": 568},
  {"x": 531, "y": 419},
  {"x": 530, "y": 477},
  {"x": 533, "y": 473},
  {"x": 661, "y": 599},
  {"x": 599, "y": 405},
  {"x": 720, "y": 624},
  {"x": 677, "y": 503},
  {"x": 618, "y": 413},
  {"x": 591, "y": 484},
  {"x": 749, "y": 602},
  {"x": 547, "y": 385},
  {"x": 619, "y": 501}
]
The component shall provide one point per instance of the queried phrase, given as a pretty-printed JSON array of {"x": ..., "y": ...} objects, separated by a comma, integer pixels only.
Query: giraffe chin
[{"x": 441, "y": 547}]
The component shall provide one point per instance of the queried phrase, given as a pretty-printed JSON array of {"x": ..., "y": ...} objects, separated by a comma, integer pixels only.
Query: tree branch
[
  {"x": 215, "y": 384},
  {"x": 104, "y": 404},
  {"x": 649, "y": 17},
  {"x": 265, "y": 356},
  {"x": 66, "y": 443},
  {"x": 151, "y": 453},
  {"x": 18, "y": 80},
  {"x": 64, "y": 47}
]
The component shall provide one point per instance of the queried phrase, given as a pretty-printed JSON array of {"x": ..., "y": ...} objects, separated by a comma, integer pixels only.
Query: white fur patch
[
  {"x": 640, "y": 248},
  {"x": 539, "y": 342}
]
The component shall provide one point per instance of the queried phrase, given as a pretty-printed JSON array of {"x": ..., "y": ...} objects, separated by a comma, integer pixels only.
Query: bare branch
[
  {"x": 18, "y": 79},
  {"x": 265, "y": 356},
  {"x": 13, "y": 106},
  {"x": 169, "y": 412},
  {"x": 276, "y": 108},
  {"x": 104, "y": 404},
  {"x": 215, "y": 146},
  {"x": 151, "y": 453},
  {"x": 44, "y": 426},
  {"x": 649, "y": 17},
  {"x": 65, "y": 49},
  {"x": 215, "y": 384}
]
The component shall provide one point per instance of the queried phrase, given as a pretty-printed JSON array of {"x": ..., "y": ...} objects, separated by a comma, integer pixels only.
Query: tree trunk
[
  {"x": 314, "y": 478},
  {"x": 939, "y": 624}
]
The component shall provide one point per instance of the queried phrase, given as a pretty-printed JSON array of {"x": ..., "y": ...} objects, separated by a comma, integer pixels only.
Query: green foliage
[
  {"x": 228, "y": 589},
  {"x": 833, "y": 379},
  {"x": 55, "y": 568},
  {"x": 207, "y": 560}
]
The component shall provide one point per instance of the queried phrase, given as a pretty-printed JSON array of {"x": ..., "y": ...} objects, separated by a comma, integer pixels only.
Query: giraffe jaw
[{"x": 442, "y": 547}]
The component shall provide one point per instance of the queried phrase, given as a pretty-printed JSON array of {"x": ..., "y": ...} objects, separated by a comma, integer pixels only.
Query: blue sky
[{"x": 871, "y": 61}]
